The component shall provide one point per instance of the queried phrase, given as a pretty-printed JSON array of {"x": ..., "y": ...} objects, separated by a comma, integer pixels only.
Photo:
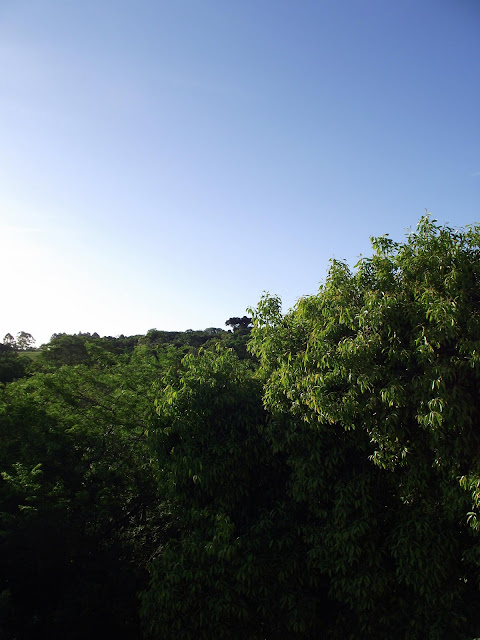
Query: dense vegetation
[{"x": 323, "y": 485}]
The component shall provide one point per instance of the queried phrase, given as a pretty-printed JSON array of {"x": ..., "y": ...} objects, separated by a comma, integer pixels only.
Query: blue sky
[{"x": 164, "y": 163}]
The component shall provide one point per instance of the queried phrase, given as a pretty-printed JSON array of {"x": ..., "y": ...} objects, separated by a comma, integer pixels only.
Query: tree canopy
[
  {"x": 239, "y": 324},
  {"x": 323, "y": 485},
  {"x": 372, "y": 385}
]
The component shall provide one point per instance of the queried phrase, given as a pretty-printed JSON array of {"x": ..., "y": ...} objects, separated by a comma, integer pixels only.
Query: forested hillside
[{"x": 322, "y": 482}]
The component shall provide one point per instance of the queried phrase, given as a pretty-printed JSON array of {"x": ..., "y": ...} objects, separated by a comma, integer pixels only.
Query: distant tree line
[
  {"x": 80, "y": 348},
  {"x": 322, "y": 484},
  {"x": 23, "y": 342}
]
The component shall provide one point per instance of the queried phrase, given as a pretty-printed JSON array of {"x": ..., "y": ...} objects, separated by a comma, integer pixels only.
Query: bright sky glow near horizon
[{"x": 163, "y": 163}]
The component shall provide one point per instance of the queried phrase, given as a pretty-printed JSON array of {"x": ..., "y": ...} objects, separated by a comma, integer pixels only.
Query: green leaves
[
  {"x": 373, "y": 383},
  {"x": 233, "y": 566},
  {"x": 332, "y": 491},
  {"x": 79, "y": 509}
]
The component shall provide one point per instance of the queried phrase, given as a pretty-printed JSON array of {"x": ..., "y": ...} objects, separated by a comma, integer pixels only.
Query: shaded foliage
[
  {"x": 72, "y": 349},
  {"x": 233, "y": 566},
  {"x": 12, "y": 365},
  {"x": 79, "y": 507}
]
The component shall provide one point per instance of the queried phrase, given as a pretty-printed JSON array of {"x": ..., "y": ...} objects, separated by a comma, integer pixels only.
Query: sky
[{"x": 164, "y": 163}]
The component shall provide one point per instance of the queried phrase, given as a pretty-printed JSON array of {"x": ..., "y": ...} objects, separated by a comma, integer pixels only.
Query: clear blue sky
[{"x": 163, "y": 163}]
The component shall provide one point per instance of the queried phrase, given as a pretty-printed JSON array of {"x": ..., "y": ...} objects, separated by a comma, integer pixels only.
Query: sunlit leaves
[{"x": 378, "y": 373}]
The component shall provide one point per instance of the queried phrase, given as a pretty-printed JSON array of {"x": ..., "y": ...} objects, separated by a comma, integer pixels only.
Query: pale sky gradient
[{"x": 164, "y": 163}]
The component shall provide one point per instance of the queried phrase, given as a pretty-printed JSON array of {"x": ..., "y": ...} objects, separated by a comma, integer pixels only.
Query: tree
[
  {"x": 373, "y": 390},
  {"x": 79, "y": 509},
  {"x": 233, "y": 566},
  {"x": 25, "y": 341},
  {"x": 12, "y": 366},
  {"x": 65, "y": 349},
  {"x": 9, "y": 341},
  {"x": 240, "y": 324}
]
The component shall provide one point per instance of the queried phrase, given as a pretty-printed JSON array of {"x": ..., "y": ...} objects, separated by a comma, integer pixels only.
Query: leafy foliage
[
  {"x": 232, "y": 567},
  {"x": 240, "y": 324},
  {"x": 325, "y": 486},
  {"x": 25, "y": 341},
  {"x": 373, "y": 386},
  {"x": 12, "y": 365},
  {"x": 77, "y": 499},
  {"x": 66, "y": 349}
]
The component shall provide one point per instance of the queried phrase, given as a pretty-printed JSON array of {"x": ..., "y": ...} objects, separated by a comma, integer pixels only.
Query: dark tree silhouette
[{"x": 240, "y": 324}]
